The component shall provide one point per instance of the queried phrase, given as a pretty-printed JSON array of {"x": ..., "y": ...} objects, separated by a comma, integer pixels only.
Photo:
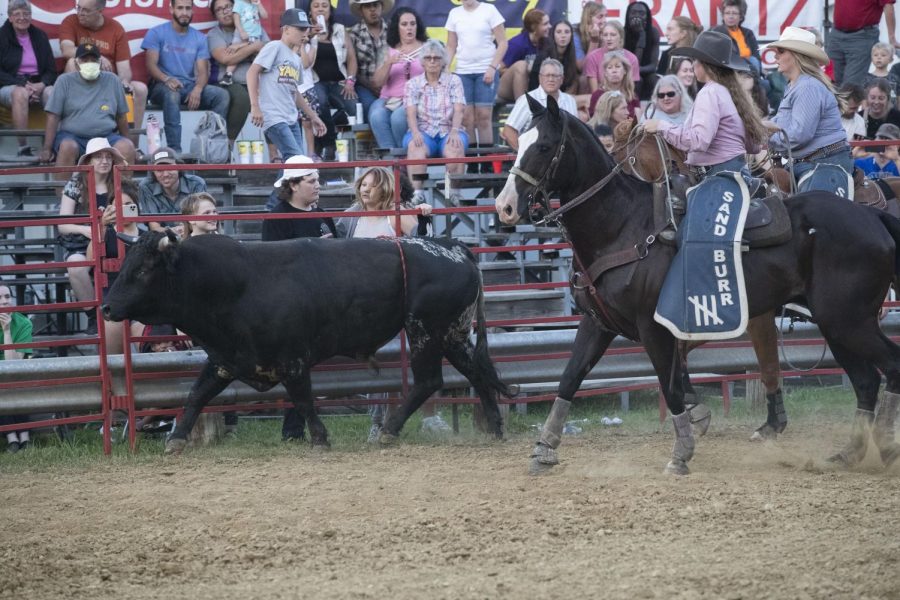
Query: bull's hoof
[
  {"x": 388, "y": 439},
  {"x": 677, "y": 467},
  {"x": 764, "y": 434},
  {"x": 701, "y": 416},
  {"x": 175, "y": 446}
]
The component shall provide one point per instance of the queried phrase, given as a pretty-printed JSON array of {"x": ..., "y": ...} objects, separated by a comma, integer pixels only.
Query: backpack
[{"x": 210, "y": 143}]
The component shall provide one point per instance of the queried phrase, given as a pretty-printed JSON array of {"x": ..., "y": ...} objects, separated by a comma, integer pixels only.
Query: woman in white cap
[
  {"x": 714, "y": 135},
  {"x": 75, "y": 238},
  {"x": 810, "y": 112}
]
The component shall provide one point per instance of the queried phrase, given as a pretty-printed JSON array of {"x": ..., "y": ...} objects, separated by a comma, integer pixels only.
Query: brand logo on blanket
[{"x": 703, "y": 295}]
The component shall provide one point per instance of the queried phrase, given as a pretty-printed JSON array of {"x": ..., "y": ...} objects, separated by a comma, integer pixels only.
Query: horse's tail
[
  {"x": 484, "y": 366},
  {"x": 892, "y": 224}
]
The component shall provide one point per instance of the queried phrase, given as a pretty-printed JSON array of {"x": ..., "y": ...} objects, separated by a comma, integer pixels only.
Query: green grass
[{"x": 261, "y": 438}]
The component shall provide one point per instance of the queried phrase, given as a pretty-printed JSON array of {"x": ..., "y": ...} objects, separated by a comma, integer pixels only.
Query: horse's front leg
[
  {"x": 590, "y": 343},
  {"x": 765, "y": 344},
  {"x": 660, "y": 346}
]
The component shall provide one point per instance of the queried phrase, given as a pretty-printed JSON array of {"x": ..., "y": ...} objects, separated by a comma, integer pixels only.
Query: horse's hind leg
[
  {"x": 765, "y": 345},
  {"x": 866, "y": 380},
  {"x": 590, "y": 343}
]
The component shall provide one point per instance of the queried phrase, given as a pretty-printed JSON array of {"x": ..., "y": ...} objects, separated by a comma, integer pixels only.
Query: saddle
[
  {"x": 767, "y": 221},
  {"x": 870, "y": 193}
]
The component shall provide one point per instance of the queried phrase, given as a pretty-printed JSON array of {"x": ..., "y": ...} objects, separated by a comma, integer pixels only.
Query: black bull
[{"x": 267, "y": 312}]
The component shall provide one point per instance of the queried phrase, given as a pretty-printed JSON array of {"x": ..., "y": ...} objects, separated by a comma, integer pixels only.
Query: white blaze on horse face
[{"x": 507, "y": 202}]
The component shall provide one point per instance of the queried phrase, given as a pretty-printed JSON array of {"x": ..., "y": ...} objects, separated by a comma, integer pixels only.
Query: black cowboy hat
[{"x": 714, "y": 48}]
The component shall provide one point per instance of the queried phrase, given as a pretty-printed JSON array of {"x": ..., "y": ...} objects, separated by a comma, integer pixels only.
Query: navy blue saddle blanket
[{"x": 703, "y": 296}]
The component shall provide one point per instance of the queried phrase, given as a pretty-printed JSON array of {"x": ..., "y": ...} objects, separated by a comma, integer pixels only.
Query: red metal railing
[{"x": 103, "y": 265}]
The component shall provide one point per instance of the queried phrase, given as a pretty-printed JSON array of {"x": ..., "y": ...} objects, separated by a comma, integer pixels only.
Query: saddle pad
[
  {"x": 827, "y": 178},
  {"x": 703, "y": 296}
]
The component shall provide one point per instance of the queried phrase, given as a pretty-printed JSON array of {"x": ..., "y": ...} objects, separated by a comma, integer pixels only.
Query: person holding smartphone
[{"x": 884, "y": 160}]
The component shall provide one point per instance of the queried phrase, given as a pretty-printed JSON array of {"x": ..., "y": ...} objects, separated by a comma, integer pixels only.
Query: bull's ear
[
  {"x": 130, "y": 240},
  {"x": 536, "y": 107},
  {"x": 552, "y": 107}
]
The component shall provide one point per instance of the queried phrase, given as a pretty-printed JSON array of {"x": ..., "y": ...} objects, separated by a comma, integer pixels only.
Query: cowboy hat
[
  {"x": 386, "y": 6},
  {"x": 801, "y": 41},
  {"x": 716, "y": 49},
  {"x": 296, "y": 173},
  {"x": 99, "y": 144}
]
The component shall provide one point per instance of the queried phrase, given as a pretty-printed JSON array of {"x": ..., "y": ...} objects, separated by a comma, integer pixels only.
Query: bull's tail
[
  {"x": 892, "y": 224},
  {"x": 484, "y": 366}
]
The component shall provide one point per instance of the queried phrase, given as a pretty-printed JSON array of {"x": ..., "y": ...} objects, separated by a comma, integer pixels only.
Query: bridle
[{"x": 539, "y": 197}]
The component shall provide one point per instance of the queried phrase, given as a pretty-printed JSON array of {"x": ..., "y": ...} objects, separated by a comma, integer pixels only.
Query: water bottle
[{"x": 153, "y": 135}]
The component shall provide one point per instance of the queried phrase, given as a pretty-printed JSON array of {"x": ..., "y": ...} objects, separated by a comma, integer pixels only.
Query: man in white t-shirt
[{"x": 519, "y": 120}]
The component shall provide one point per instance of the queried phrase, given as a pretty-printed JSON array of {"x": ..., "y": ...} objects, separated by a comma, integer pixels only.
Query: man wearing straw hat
[
  {"x": 855, "y": 31},
  {"x": 810, "y": 112},
  {"x": 369, "y": 37}
]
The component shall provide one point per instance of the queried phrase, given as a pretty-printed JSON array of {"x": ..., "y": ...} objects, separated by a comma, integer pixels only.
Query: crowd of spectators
[{"x": 331, "y": 72}]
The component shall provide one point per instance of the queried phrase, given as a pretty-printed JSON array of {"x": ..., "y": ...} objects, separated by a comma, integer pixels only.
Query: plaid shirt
[
  {"x": 434, "y": 103},
  {"x": 369, "y": 51}
]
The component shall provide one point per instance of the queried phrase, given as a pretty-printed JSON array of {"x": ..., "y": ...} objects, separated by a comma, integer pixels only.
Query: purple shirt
[
  {"x": 434, "y": 103},
  {"x": 713, "y": 131},
  {"x": 29, "y": 64},
  {"x": 518, "y": 48}
]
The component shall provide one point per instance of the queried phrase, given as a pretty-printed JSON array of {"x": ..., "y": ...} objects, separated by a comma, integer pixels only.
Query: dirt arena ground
[{"x": 460, "y": 520}]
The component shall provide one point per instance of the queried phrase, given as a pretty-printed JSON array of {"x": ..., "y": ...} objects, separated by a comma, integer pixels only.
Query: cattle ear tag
[{"x": 129, "y": 240}]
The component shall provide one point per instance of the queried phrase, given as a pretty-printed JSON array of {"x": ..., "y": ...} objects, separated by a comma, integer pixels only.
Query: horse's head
[{"x": 534, "y": 175}]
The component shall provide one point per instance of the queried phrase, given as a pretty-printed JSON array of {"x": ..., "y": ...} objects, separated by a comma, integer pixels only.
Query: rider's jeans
[{"x": 840, "y": 158}]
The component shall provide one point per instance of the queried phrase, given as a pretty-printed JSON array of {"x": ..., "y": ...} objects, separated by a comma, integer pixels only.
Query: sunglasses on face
[{"x": 662, "y": 95}]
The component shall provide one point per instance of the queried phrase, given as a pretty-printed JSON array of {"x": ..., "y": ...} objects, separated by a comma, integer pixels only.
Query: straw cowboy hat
[
  {"x": 714, "y": 48},
  {"x": 99, "y": 144},
  {"x": 386, "y": 6},
  {"x": 801, "y": 41}
]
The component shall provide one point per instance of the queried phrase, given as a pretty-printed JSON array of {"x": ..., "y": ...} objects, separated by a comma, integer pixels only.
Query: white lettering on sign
[{"x": 720, "y": 268}]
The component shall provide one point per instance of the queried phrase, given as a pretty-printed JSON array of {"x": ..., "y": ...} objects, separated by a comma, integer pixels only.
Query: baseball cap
[
  {"x": 164, "y": 156},
  {"x": 87, "y": 50},
  {"x": 888, "y": 131},
  {"x": 294, "y": 17},
  {"x": 296, "y": 173}
]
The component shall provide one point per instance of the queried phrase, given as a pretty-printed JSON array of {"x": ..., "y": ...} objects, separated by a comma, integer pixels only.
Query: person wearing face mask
[
  {"x": 84, "y": 105},
  {"x": 642, "y": 40}
]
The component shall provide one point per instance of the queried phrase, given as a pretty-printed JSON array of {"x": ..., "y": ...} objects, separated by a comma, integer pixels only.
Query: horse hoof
[
  {"x": 843, "y": 459},
  {"x": 701, "y": 416},
  {"x": 764, "y": 434},
  {"x": 175, "y": 446},
  {"x": 388, "y": 439},
  {"x": 676, "y": 467},
  {"x": 890, "y": 454},
  {"x": 536, "y": 467}
]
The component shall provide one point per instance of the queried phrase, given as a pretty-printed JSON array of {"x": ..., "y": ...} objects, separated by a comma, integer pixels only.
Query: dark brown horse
[{"x": 840, "y": 260}]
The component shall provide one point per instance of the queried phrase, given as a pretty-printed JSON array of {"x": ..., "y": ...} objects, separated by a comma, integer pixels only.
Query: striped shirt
[
  {"x": 810, "y": 117},
  {"x": 434, "y": 103}
]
